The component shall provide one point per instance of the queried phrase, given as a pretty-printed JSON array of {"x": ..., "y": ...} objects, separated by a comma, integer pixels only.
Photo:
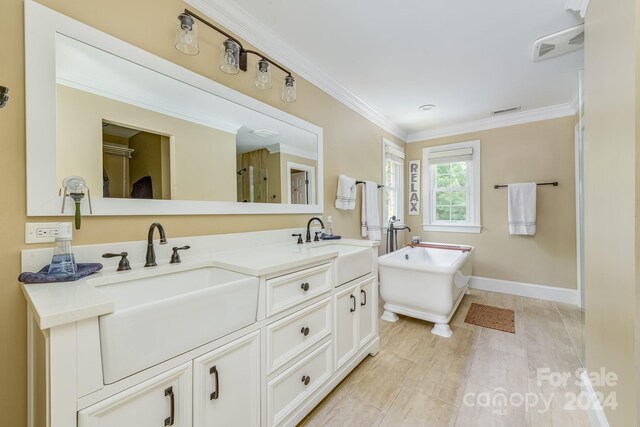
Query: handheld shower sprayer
[{"x": 74, "y": 186}]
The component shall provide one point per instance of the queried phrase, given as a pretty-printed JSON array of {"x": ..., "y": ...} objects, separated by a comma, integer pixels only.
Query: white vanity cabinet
[
  {"x": 161, "y": 401},
  {"x": 368, "y": 314},
  {"x": 346, "y": 324},
  {"x": 226, "y": 385},
  {"x": 310, "y": 331},
  {"x": 225, "y": 392},
  {"x": 355, "y": 318}
]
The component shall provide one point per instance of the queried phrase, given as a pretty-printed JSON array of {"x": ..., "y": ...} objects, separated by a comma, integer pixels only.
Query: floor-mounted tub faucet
[
  {"x": 151, "y": 253},
  {"x": 315, "y": 218},
  {"x": 392, "y": 234}
]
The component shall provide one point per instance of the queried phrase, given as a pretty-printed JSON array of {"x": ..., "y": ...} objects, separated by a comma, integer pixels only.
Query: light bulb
[
  {"x": 230, "y": 60},
  {"x": 289, "y": 89},
  {"x": 263, "y": 75},
  {"x": 186, "y": 40}
]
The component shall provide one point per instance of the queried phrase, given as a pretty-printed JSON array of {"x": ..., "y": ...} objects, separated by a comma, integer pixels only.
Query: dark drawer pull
[
  {"x": 306, "y": 379},
  {"x": 304, "y": 331},
  {"x": 362, "y": 292},
  {"x": 214, "y": 371},
  {"x": 304, "y": 286},
  {"x": 169, "y": 421},
  {"x": 354, "y": 304}
]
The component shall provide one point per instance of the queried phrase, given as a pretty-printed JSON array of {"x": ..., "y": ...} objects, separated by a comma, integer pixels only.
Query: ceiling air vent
[
  {"x": 559, "y": 43},
  {"x": 506, "y": 110}
]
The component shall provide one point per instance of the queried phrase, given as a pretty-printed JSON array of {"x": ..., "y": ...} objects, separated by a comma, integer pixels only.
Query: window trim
[
  {"x": 401, "y": 190},
  {"x": 474, "y": 224}
]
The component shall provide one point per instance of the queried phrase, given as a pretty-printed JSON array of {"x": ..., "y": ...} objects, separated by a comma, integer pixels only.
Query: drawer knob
[
  {"x": 306, "y": 379},
  {"x": 304, "y": 286},
  {"x": 304, "y": 331}
]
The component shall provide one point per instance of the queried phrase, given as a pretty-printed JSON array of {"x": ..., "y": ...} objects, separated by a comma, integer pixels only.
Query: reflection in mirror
[
  {"x": 135, "y": 163},
  {"x": 140, "y": 134}
]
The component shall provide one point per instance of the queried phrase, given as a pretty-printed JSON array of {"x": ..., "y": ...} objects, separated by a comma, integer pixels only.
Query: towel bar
[
  {"x": 362, "y": 182},
  {"x": 555, "y": 184}
]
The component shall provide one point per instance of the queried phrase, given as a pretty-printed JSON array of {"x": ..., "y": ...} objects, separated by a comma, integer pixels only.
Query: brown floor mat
[{"x": 488, "y": 316}]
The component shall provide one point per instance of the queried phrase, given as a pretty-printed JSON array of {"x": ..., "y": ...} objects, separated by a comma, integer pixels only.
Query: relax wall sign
[{"x": 414, "y": 187}]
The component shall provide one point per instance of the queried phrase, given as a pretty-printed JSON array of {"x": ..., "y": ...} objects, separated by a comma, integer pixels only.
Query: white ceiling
[{"x": 468, "y": 57}]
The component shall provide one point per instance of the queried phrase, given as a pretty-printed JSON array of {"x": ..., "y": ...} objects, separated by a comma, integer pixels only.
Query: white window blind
[
  {"x": 393, "y": 180},
  {"x": 450, "y": 156},
  {"x": 391, "y": 153}
]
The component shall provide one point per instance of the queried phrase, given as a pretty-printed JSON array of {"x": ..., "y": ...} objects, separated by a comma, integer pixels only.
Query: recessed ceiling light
[
  {"x": 426, "y": 107},
  {"x": 265, "y": 133}
]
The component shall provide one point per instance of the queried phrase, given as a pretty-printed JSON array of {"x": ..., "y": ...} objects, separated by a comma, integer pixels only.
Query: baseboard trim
[
  {"x": 531, "y": 290},
  {"x": 594, "y": 410}
]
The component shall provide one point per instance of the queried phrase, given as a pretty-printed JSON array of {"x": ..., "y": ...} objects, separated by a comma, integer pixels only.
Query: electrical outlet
[{"x": 41, "y": 232}]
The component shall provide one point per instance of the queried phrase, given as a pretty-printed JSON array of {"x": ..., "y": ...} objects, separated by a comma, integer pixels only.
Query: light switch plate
[{"x": 41, "y": 232}]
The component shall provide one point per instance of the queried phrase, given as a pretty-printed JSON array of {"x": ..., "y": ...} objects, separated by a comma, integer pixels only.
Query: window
[
  {"x": 393, "y": 180},
  {"x": 452, "y": 187}
]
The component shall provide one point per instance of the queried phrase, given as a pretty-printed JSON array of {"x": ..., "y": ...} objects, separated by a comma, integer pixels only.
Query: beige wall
[
  {"x": 150, "y": 24},
  {"x": 540, "y": 151},
  {"x": 200, "y": 155},
  {"x": 611, "y": 197}
]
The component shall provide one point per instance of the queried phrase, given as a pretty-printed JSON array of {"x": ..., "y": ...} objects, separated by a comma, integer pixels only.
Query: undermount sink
[
  {"x": 159, "y": 317},
  {"x": 352, "y": 261}
]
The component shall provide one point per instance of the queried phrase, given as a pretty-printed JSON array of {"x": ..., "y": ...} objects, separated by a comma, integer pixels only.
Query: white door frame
[{"x": 311, "y": 170}]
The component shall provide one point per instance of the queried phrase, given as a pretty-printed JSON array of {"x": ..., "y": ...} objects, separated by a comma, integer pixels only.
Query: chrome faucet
[
  {"x": 151, "y": 253},
  {"x": 392, "y": 234},
  {"x": 315, "y": 218}
]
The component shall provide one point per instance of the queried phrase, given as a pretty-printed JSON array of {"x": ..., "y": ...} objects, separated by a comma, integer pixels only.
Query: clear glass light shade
[
  {"x": 230, "y": 60},
  {"x": 263, "y": 75},
  {"x": 289, "y": 89},
  {"x": 187, "y": 35}
]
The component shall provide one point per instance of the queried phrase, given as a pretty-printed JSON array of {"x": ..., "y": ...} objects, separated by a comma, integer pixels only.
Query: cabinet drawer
[
  {"x": 286, "y": 291},
  {"x": 294, "y": 385},
  {"x": 163, "y": 400},
  {"x": 294, "y": 334}
]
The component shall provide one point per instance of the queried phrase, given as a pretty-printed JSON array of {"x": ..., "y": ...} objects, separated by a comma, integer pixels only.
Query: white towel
[
  {"x": 370, "y": 216},
  {"x": 522, "y": 208},
  {"x": 346, "y": 194}
]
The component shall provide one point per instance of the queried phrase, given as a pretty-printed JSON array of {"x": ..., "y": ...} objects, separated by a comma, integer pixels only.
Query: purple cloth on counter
[
  {"x": 334, "y": 237},
  {"x": 43, "y": 276}
]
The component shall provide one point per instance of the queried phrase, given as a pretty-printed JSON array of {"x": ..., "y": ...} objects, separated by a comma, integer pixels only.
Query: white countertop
[{"x": 55, "y": 304}]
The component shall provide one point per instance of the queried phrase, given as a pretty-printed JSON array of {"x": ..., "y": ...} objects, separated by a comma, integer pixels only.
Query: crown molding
[
  {"x": 539, "y": 114},
  {"x": 255, "y": 32}
]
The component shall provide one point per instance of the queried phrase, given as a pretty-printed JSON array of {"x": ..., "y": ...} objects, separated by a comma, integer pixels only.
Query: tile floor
[{"x": 478, "y": 377}]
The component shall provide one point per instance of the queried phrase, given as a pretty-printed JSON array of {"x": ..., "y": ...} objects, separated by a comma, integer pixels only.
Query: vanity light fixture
[
  {"x": 4, "y": 96},
  {"x": 289, "y": 89},
  {"x": 234, "y": 55},
  {"x": 187, "y": 35},
  {"x": 263, "y": 76}
]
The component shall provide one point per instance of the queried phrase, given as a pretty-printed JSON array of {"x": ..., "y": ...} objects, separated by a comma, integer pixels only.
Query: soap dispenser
[
  {"x": 63, "y": 262},
  {"x": 328, "y": 229}
]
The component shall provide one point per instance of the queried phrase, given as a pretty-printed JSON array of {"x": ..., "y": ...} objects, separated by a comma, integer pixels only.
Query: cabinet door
[
  {"x": 161, "y": 401},
  {"x": 368, "y": 301},
  {"x": 226, "y": 386},
  {"x": 346, "y": 324}
]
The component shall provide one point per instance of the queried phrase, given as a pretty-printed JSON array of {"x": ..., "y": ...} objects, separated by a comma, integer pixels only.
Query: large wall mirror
[{"x": 150, "y": 137}]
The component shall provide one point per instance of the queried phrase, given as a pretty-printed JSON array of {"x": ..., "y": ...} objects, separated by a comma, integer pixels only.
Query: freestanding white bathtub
[{"x": 427, "y": 283}]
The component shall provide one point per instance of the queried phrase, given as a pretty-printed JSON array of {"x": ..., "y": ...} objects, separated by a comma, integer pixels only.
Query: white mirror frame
[{"x": 41, "y": 26}]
